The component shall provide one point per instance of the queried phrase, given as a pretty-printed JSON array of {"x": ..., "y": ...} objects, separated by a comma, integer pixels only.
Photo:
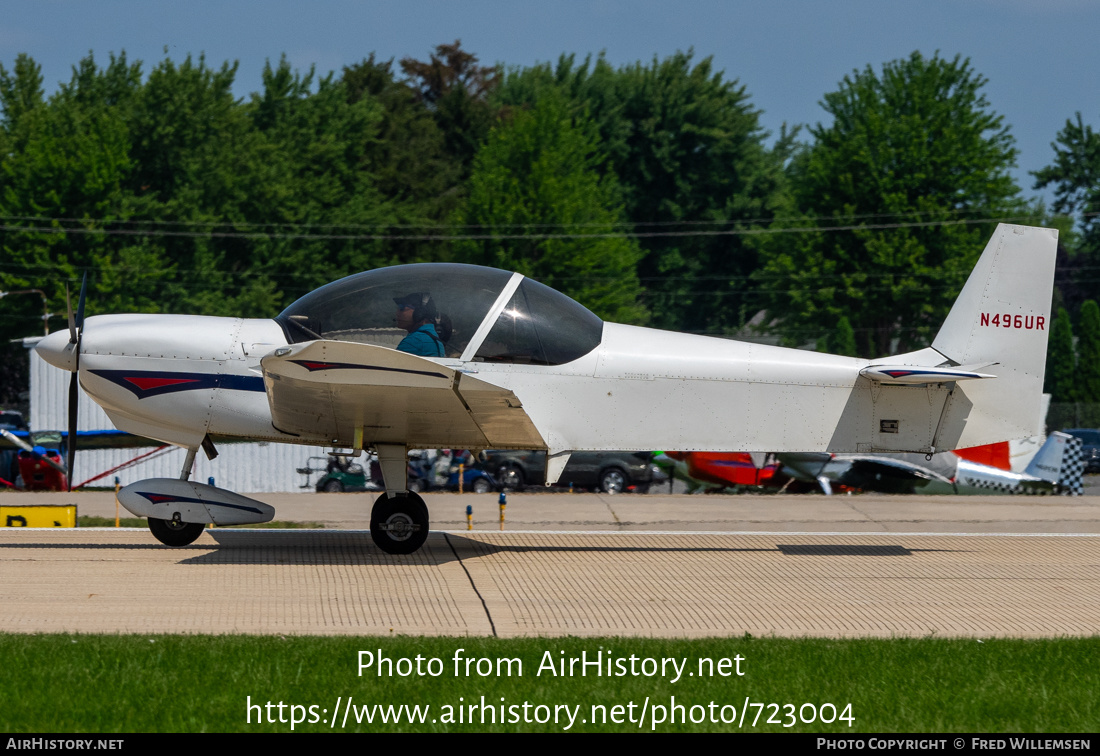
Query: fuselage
[{"x": 177, "y": 378}]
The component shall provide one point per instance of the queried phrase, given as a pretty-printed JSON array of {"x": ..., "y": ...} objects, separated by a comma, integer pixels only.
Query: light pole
[{"x": 45, "y": 305}]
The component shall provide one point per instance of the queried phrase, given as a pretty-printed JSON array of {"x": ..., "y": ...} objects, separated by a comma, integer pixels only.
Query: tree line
[{"x": 649, "y": 192}]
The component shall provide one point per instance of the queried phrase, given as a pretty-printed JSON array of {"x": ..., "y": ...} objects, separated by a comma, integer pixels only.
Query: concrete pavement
[
  {"x": 629, "y": 512},
  {"x": 581, "y": 564}
]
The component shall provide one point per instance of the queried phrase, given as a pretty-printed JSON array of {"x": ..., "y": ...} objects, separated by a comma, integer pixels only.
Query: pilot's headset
[{"x": 422, "y": 305}]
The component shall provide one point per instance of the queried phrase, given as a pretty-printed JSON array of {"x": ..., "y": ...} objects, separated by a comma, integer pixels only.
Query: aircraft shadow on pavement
[
  {"x": 79, "y": 545},
  {"x": 304, "y": 548},
  {"x": 473, "y": 548},
  {"x": 313, "y": 547}
]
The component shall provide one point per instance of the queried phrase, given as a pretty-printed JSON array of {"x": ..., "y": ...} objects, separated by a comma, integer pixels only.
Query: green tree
[
  {"x": 315, "y": 145},
  {"x": 840, "y": 341},
  {"x": 20, "y": 89},
  {"x": 1075, "y": 178},
  {"x": 688, "y": 151},
  {"x": 408, "y": 159},
  {"x": 537, "y": 173},
  {"x": 908, "y": 153},
  {"x": 1061, "y": 360},
  {"x": 64, "y": 180},
  {"x": 456, "y": 91},
  {"x": 1087, "y": 384}
]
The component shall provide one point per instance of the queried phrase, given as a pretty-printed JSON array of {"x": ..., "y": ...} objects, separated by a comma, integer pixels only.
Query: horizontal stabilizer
[{"x": 909, "y": 374}]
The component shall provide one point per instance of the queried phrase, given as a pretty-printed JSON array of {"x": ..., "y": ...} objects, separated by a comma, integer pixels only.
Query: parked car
[
  {"x": 12, "y": 420},
  {"x": 341, "y": 475},
  {"x": 1090, "y": 447},
  {"x": 610, "y": 472}
]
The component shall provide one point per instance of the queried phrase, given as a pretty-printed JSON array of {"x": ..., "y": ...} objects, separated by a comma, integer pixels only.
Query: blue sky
[{"x": 1041, "y": 57}]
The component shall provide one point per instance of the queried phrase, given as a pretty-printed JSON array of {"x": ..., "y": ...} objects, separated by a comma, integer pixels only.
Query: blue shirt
[{"x": 424, "y": 342}]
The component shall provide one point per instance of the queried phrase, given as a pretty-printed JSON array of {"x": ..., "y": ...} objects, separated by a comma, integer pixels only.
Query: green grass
[
  {"x": 91, "y": 521},
  {"x": 91, "y": 683}
]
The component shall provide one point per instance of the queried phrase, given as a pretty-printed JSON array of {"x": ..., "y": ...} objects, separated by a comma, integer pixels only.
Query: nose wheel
[
  {"x": 399, "y": 524},
  {"x": 174, "y": 532}
]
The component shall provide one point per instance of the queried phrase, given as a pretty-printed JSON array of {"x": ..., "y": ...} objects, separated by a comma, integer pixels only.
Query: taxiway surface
[{"x": 584, "y": 564}]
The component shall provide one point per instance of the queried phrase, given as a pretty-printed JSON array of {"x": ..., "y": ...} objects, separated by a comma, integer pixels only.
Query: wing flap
[{"x": 329, "y": 389}]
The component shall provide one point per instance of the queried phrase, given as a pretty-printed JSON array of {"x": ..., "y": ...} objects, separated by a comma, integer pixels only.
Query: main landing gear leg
[
  {"x": 399, "y": 518},
  {"x": 175, "y": 532}
]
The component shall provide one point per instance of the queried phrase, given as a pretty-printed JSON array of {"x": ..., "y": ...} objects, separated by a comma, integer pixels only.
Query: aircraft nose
[{"x": 56, "y": 350}]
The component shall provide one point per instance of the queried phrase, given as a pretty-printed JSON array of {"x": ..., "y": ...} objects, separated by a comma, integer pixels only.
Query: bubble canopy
[{"x": 530, "y": 323}]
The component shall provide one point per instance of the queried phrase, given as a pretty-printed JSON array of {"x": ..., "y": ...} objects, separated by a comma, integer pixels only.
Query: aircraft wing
[
  {"x": 882, "y": 473},
  {"x": 96, "y": 439},
  {"x": 344, "y": 392}
]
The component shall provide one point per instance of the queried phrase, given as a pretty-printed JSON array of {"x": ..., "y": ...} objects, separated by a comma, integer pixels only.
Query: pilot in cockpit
[{"x": 417, "y": 314}]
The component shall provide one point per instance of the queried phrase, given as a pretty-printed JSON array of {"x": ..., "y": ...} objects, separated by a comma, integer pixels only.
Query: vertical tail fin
[
  {"x": 1001, "y": 319},
  {"x": 1047, "y": 462}
]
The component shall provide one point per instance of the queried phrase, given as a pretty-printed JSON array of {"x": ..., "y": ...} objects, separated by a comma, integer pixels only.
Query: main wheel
[
  {"x": 399, "y": 525},
  {"x": 333, "y": 486},
  {"x": 482, "y": 485},
  {"x": 613, "y": 481},
  {"x": 511, "y": 477},
  {"x": 174, "y": 533}
]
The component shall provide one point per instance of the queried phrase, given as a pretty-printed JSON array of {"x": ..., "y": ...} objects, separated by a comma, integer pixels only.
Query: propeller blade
[
  {"x": 80, "y": 303},
  {"x": 71, "y": 455},
  {"x": 72, "y": 320},
  {"x": 27, "y": 447},
  {"x": 76, "y": 331},
  {"x": 16, "y": 440}
]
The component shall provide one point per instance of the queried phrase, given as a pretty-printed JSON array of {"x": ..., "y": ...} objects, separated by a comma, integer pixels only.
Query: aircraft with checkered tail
[
  {"x": 506, "y": 362},
  {"x": 1056, "y": 468}
]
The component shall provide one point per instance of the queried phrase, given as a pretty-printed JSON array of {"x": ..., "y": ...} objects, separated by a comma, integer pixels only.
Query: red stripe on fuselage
[{"x": 152, "y": 383}]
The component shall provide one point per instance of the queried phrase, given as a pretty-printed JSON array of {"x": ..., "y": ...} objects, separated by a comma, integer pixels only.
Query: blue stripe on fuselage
[{"x": 190, "y": 381}]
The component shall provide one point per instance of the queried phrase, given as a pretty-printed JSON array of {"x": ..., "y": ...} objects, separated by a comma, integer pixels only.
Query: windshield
[
  {"x": 362, "y": 307},
  {"x": 540, "y": 326}
]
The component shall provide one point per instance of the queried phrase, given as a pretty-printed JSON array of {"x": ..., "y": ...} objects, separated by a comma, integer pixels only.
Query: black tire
[
  {"x": 482, "y": 485},
  {"x": 613, "y": 480},
  {"x": 175, "y": 533},
  {"x": 511, "y": 478},
  {"x": 333, "y": 486},
  {"x": 399, "y": 525}
]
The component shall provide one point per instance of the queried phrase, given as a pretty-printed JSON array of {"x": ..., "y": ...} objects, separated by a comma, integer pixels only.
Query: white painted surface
[{"x": 249, "y": 467}]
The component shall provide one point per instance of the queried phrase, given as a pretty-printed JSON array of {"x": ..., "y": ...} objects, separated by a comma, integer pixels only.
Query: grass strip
[{"x": 173, "y": 683}]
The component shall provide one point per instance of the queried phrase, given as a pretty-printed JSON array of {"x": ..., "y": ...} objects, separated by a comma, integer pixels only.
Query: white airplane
[
  {"x": 1055, "y": 469},
  {"x": 526, "y": 367}
]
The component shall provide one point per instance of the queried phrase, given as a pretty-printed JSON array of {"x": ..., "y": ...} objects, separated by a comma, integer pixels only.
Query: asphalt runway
[{"x": 583, "y": 565}]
